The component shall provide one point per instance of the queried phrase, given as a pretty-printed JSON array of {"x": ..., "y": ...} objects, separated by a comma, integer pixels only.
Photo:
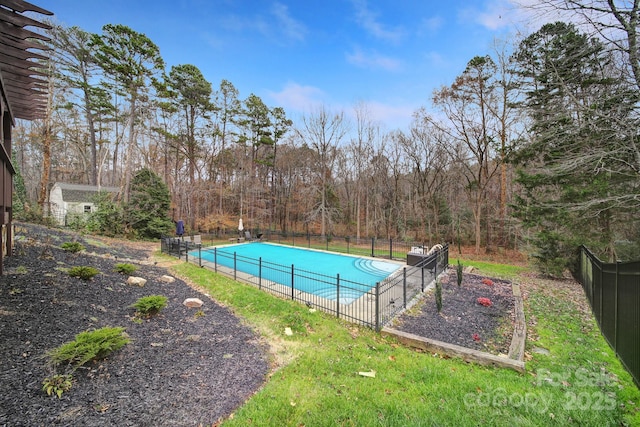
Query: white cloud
[
  {"x": 432, "y": 24},
  {"x": 373, "y": 60},
  {"x": 276, "y": 23},
  {"x": 435, "y": 59},
  {"x": 369, "y": 21},
  {"x": 494, "y": 14},
  {"x": 291, "y": 28},
  {"x": 298, "y": 97},
  {"x": 392, "y": 116}
]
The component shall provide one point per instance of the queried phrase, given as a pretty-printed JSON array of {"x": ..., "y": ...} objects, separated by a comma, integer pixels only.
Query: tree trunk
[{"x": 46, "y": 167}]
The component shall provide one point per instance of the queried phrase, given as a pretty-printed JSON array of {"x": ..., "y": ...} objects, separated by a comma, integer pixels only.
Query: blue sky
[{"x": 299, "y": 54}]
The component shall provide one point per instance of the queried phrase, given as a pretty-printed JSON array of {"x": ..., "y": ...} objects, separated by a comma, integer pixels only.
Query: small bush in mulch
[
  {"x": 57, "y": 384},
  {"x": 83, "y": 272},
  {"x": 484, "y": 301},
  {"x": 89, "y": 345},
  {"x": 438, "y": 295},
  {"x": 150, "y": 305},
  {"x": 125, "y": 268},
  {"x": 73, "y": 247},
  {"x": 459, "y": 271}
]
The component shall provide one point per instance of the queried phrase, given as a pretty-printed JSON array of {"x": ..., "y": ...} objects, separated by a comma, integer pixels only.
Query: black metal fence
[
  {"x": 371, "y": 306},
  {"x": 613, "y": 289},
  {"x": 368, "y": 246}
]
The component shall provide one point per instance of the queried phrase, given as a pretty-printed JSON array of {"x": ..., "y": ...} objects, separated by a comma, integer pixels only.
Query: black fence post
[
  {"x": 308, "y": 240},
  {"x": 390, "y": 248},
  {"x": 234, "y": 266},
  {"x": 215, "y": 259},
  {"x": 292, "y": 291},
  {"x": 260, "y": 273},
  {"x": 422, "y": 279},
  {"x": 373, "y": 247},
  {"x": 338, "y": 295},
  {"x": 435, "y": 268},
  {"x": 615, "y": 310},
  {"x": 200, "y": 256},
  {"x": 377, "y": 302},
  {"x": 404, "y": 287}
]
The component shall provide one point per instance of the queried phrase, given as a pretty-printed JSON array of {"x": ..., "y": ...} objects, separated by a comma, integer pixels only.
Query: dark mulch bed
[
  {"x": 180, "y": 369},
  {"x": 463, "y": 321}
]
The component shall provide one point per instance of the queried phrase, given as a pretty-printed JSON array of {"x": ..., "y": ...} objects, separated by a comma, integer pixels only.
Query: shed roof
[
  {"x": 82, "y": 193},
  {"x": 20, "y": 76}
]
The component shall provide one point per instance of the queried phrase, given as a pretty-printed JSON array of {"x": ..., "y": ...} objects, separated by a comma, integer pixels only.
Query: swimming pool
[{"x": 323, "y": 274}]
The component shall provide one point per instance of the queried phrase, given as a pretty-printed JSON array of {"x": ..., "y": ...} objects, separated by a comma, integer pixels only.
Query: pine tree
[
  {"x": 147, "y": 211},
  {"x": 574, "y": 168}
]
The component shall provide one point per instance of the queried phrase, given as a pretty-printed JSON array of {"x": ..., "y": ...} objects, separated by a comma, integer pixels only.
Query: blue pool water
[{"x": 316, "y": 272}]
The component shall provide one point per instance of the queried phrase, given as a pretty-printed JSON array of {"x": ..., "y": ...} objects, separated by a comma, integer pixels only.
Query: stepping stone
[{"x": 540, "y": 350}]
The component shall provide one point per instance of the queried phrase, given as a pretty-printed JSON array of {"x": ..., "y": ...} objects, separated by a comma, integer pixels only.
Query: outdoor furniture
[{"x": 420, "y": 260}]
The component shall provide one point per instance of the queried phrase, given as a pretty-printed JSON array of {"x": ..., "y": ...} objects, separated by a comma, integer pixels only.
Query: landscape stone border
[{"x": 515, "y": 359}]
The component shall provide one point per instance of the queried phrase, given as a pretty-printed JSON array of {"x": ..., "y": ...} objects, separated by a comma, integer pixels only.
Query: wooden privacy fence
[{"x": 613, "y": 290}]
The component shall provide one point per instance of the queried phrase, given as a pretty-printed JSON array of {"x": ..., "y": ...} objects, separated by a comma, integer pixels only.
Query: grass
[
  {"x": 317, "y": 381},
  {"x": 491, "y": 269}
]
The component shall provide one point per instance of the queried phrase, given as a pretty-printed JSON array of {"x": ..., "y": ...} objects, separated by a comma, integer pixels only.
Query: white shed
[{"x": 67, "y": 200}]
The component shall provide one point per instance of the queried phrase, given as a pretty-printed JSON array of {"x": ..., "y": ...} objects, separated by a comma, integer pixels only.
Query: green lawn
[{"x": 317, "y": 376}]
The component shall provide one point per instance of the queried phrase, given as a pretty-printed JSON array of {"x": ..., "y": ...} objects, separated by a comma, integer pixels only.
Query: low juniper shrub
[
  {"x": 88, "y": 346},
  {"x": 83, "y": 272},
  {"x": 150, "y": 305},
  {"x": 73, "y": 247},
  {"x": 125, "y": 268}
]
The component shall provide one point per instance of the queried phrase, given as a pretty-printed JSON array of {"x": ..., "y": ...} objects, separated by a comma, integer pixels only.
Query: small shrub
[
  {"x": 83, "y": 272},
  {"x": 57, "y": 384},
  {"x": 438, "y": 295},
  {"x": 459, "y": 269},
  {"x": 484, "y": 301},
  {"x": 125, "y": 268},
  {"x": 150, "y": 305},
  {"x": 73, "y": 247},
  {"x": 89, "y": 345}
]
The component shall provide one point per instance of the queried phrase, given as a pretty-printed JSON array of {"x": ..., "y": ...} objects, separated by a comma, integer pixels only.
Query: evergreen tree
[
  {"x": 108, "y": 218},
  {"x": 19, "y": 192},
  {"x": 147, "y": 211},
  {"x": 574, "y": 169}
]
